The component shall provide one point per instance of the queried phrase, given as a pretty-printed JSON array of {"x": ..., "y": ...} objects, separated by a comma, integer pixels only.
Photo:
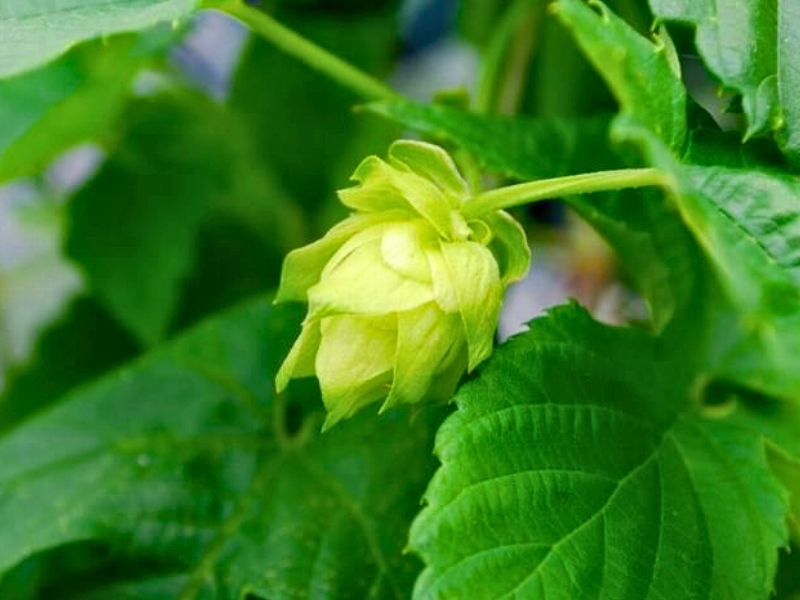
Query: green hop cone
[{"x": 403, "y": 295}]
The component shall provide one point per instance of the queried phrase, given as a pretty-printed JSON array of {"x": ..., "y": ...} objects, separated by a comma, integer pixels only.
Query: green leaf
[
  {"x": 74, "y": 99},
  {"x": 134, "y": 228},
  {"x": 523, "y": 148},
  {"x": 643, "y": 76},
  {"x": 26, "y": 99},
  {"x": 579, "y": 466},
  {"x": 157, "y": 588},
  {"x": 34, "y": 33},
  {"x": 749, "y": 222},
  {"x": 787, "y": 468},
  {"x": 708, "y": 145},
  {"x": 746, "y": 222},
  {"x": 750, "y": 46},
  {"x": 59, "y": 574},
  {"x": 186, "y": 458}
]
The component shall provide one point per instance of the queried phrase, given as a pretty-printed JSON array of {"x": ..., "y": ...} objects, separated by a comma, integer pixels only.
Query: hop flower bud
[{"x": 403, "y": 295}]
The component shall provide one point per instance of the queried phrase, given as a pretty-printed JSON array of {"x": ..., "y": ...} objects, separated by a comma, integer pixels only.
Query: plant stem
[
  {"x": 319, "y": 59},
  {"x": 520, "y": 55},
  {"x": 545, "y": 189},
  {"x": 494, "y": 62}
]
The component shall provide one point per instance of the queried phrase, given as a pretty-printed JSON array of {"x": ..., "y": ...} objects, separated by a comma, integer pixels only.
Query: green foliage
[
  {"x": 745, "y": 222},
  {"x": 644, "y": 76},
  {"x": 36, "y": 32},
  {"x": 177, "y": 159},
  {"x": 748, "y": 46},
  {"x": 145, "y": 456},
  {"x": 74, "y": 99},
  {"x": 81, "y": 345},
  {"x": 518, "y": 148},
  {"x": 605, "y": 484},
  {"x": 188, "y": 458}
]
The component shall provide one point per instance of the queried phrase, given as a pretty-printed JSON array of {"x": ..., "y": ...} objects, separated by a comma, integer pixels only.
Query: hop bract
[{"x": 403, "y": 295}]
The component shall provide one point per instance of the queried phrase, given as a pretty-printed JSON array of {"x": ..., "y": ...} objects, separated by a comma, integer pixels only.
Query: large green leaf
[
  {"x": 644, "y": 76},
  {"x": 188, "y": 460},
  {"x": 36, "y": 31},
  {"x": 134, "y": 227},
  {"x": 787, "y": 468},
  {"x": 581, "y": 464},
  {"x": 752, "y": 48}
]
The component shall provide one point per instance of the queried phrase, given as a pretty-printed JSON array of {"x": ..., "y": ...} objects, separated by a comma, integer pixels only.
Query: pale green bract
[{"x": 403, "y": 295}]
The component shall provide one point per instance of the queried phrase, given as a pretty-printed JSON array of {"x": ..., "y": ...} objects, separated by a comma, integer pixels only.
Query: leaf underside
[{"x": 36, "y": 32}]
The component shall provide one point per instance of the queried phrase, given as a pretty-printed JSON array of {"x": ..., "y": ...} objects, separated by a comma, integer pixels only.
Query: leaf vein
[{"x": 599, "y": 514}]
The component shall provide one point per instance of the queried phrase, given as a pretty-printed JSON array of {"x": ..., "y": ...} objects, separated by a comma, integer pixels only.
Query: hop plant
[{"x": 403, "y": 295}]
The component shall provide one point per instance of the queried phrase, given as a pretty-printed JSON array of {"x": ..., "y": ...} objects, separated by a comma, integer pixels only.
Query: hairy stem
[
  {"x": 316, "y": 57},
  {"x": 545, "y": 189}
]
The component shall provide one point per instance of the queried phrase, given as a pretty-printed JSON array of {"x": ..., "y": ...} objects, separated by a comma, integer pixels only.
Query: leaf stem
[
  {"x": 304, "y": 50},
  {"x": 544, "y": 189}
]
